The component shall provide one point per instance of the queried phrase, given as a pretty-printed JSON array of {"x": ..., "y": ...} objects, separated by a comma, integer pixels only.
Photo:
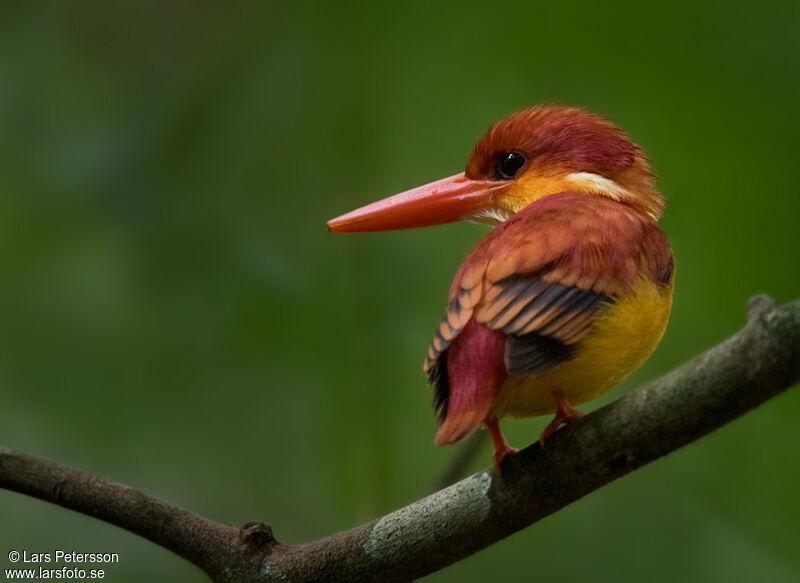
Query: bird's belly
[{"x": 621, "y": 339}]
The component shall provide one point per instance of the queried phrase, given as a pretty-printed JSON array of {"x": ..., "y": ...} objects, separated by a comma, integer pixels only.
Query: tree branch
[
  {"x": 193, "y": 537},
  {"x": 755, "y": 364}
]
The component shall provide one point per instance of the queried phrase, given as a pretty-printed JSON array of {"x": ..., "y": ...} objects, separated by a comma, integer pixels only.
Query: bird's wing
[
  {"x": 542, "y": 319},
  {"x": 465, "y": 293},
  {"x": 541, "y": 278}
]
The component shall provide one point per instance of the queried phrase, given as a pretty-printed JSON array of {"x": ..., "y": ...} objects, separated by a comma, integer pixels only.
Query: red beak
[{"x": 444, "y": 201}]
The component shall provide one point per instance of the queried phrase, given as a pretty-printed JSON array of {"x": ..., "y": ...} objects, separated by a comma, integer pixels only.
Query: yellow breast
[{"x": 623, "y": 336}]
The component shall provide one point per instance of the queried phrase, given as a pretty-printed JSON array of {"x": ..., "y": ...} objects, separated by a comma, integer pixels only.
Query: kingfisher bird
[{"x": 568, "y": 294}]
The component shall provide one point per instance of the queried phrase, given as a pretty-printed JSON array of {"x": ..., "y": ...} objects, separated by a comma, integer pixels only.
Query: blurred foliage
[{"x": 175, "y": 315}]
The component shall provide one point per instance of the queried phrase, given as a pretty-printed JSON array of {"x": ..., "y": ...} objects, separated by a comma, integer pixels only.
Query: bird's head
[{"x": 528, "y": 155}]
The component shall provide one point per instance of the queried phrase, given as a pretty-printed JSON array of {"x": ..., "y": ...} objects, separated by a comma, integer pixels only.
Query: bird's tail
[{"x": 475, "y": 373}]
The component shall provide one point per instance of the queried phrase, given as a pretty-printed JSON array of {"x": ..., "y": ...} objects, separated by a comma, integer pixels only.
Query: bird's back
[{"x": 571, "y": 293}]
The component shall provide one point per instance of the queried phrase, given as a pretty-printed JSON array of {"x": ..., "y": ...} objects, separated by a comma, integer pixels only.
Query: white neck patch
[{"x": 598, "y": 184}]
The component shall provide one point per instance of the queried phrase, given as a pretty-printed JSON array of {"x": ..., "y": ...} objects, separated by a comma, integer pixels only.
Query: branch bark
[{"x": 755, "y": 364}]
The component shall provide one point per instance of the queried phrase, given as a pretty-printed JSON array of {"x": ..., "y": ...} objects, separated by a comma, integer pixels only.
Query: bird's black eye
[{"x": 509, "y": 164}]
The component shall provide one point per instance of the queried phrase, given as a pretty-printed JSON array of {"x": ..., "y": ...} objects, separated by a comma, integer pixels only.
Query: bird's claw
[
  {"x": 564, "y": 414},
  {"x": 501, "y": 454}
]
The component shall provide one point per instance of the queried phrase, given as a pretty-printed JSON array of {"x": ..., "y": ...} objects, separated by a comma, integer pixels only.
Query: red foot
[
  {"x": 564, "y": 414},
  {"x": 501, "y": 447}
]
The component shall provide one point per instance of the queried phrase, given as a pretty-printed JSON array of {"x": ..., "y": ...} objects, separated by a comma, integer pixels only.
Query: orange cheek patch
[{"x": 532, "y": 186}]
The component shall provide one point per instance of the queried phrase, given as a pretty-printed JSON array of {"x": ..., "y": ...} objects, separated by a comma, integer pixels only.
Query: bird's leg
[
  {"x": 501, "y": 447},
  {"x": 564, "y": 414}
]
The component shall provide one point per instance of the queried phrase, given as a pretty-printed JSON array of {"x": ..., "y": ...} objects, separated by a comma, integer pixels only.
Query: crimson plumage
[{"x": 534, "y": 286}]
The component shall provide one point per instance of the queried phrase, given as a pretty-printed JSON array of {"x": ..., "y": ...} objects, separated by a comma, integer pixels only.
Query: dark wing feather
[
  {"x": 542, "y": 319},
  {"x": 533, "y": 353},
  {"x": 438, "y": 379}
]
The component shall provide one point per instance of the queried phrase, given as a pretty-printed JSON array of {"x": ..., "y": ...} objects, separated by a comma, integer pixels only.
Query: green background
[{"x": 175, "y": 315}]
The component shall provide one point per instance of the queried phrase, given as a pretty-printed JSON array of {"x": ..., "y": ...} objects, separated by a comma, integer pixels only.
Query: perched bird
[{"x": 568, "y": 294}]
